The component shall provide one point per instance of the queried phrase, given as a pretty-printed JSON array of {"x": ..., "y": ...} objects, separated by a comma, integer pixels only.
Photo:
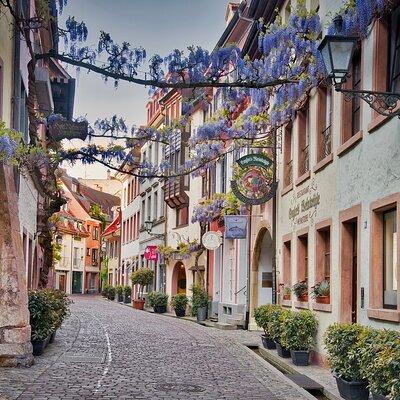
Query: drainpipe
[
  {"x": 274, "y": 219},
  {"x": 247, "y": 321}
]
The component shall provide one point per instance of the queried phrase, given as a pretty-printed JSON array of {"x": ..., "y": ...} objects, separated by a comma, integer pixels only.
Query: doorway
[
  {"x": 349, "y": 269},
  {"x": 61, "y": 282},
  {"x": 76, "y": 282},
  {"x": 179, "y": 279}
]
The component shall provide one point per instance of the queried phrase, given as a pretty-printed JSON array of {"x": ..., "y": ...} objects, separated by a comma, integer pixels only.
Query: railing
[
  {"x": 326, "y": 141},
  {"x": 305, "y": 161}
]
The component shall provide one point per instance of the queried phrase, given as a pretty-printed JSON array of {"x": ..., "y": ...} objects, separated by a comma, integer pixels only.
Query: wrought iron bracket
[{"x": 385, "y": 103}]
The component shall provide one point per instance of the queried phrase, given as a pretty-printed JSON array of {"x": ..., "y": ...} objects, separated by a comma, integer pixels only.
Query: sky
[{"x": 157, "y": 25}]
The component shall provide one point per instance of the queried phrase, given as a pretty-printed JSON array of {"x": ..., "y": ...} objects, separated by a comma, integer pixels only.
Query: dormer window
[{"x": 74, "y": 187}]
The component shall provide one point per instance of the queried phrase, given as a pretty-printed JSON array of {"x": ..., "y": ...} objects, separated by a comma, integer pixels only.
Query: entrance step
[{"x": 225, "y": 326}]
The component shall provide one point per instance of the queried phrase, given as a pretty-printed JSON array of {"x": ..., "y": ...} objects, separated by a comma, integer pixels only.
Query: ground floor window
[{"x": 389, "y": 259}]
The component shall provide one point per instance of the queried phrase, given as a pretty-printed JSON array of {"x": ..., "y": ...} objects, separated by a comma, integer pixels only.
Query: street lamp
[
  {"x": 149, "y": 226},
  {"x": 337, "y": 51},
  {"x": 59, "y": 240}
]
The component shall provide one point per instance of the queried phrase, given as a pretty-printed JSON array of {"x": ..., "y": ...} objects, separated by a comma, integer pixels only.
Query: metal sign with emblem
[
  {"x": 212, "y": 240},
  {"x": 254, "y": 181},
  {"x": 235, "y": 226},
  {"x": 62, "y": 129}
]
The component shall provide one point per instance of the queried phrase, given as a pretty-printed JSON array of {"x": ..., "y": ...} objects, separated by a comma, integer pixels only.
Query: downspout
[
  {"x": 247, "y": 321},
  {"x": 16, "y": 75},
  {"x": 274, "y": 219}
]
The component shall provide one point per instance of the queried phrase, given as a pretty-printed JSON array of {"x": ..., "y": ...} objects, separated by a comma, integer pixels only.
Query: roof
[
  {"x": 113, "y": 227},
  {"x": 86, "y": 196},
  {"x": 67, "y": 223}
]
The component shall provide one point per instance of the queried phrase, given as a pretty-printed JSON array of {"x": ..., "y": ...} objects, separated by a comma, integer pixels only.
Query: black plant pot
[
  {"x": 120, "y": 298},
  {"x": 267, "y": 342},
  {"x": 127, "y": 299},
  {"x": 52, "y": 337},
  {"x": 160, "y": 309},
  {"x": 180, "y": 312},
  {"x": 111, "y": 297},
  {"x": 357, "y": 390},
  {"x": 201, "y": 314},
  {"x": 300, "y": 357},
  {"x": 38, "y": 346},
  {"x": 282, "y": 351},
  {"x": 377, "y": 396}
]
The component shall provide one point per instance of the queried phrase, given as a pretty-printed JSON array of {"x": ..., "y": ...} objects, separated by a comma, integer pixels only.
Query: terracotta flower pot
[
  {"x": 138, "y": 304},
  {"x": 286, "y": 297},
  {"x": 323, "y": 299},
  {"x": 303, "y": 298}
]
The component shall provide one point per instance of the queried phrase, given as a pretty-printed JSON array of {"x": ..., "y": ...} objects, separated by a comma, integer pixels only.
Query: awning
[{"x": 113, "y": 227}]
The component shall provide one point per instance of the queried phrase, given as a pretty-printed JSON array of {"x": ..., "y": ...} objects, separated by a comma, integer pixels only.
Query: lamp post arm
[{"x": 385, "y": 103}]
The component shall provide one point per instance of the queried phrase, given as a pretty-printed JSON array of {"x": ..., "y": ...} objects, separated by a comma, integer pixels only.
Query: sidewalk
[{"x": 320, "y": 375}]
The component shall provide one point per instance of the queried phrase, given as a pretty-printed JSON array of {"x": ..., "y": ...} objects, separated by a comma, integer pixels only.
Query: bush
[
  {"x": 59, "y": 303},
  {"x": 111, "y": 292},
  {"x": 42, "y": 315},
  {"x": 263, "y": 316},
  {"x": 344, "y": 345},
  {"x": 179, "y": 301},
  {"x": 119, "y": 290},
  {"x": 158, "y": 299},
  {"x": 274, "y": 326},
  {"x": 199, "y": 298},
  {"x": 104, "y": 290},
  {"x": 298, "y": 330},
  {"x": 380, "y": 360},
  {"x": 127, "y": 290}
]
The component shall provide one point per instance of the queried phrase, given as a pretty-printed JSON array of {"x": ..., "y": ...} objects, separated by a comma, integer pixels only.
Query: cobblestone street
[{"x": 109, "y": 351}]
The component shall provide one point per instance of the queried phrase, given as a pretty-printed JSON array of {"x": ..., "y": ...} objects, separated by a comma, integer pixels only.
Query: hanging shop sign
[
  {"x": 235, "y": 226},
  {"x": 60, "y": 130},
  {"x": 150, "y": 253},
  {"x": 212, "y": 240},
  {"x": 255, "y": 181}
]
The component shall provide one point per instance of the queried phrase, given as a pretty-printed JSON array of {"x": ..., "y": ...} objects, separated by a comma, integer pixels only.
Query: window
[
  {"x": 287, "y": 257},
  {"x": 155, "y": 206},
  {"x": 390, "y": 278},
  {"x": 125, "y": 199},
  {"x": 303, "y": 150},
  {"x": 88, "y": 251},
  {"x": 324, "y": 121},
  {"x": 323, "y": 252},
  {"x": 223, "y": 175},
  {"x": 95, "y": 253},
  {"x": 129, "y": 194},
  {"x": 287, "y": 156},
  {"x": 156, "y": 150},
  {"x": 1, "y": 88},
  {"x": 182, "y": 216},
  {"x": 302, "y": 258},
  {"x": 351, "y": 110},
  {"x": 213, "y": 178},
  {"x": 143, "y": 212},
  {"x": 161, "y": 203},
  {"x": 394, "y": 51},
  {"x": 95, "y": 233},
  {"x": 138, "y": 225},
  {"x": 204, "y": 185},
  {"x": 23, "y": 113},
  {"x": 149, "y": 208}
]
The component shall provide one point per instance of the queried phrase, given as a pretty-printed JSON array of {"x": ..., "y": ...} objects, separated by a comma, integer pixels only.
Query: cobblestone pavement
[{"x": 110, "y": 351}]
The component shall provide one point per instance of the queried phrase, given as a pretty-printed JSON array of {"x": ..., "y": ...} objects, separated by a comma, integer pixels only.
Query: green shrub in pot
[
  {"x": 263, "y": 317},
  {"x": 199, "y": 298},
  {"x": 179, "y": 303},
  {"x": 298, "y": 333},
  {"x": 59, "y": 302},
  {"x": 380, "y": 359},
  {"x": 158, "y": 301},
  {"x": 104, "y": 290},
  {"x": 42, "y": 315},
  {"x": 111, "y": 293},
  {"x": 119, "y": 290},
  {"x": 127, "y": 293},
  {"x": 344, "y": 344}
]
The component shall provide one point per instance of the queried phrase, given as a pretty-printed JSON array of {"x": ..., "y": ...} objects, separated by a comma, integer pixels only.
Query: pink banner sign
[{"x": 151, "y": 253}]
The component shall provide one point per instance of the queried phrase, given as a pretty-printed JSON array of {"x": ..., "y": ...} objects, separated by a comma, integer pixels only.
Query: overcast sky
[{"x": 157, "y": 25}]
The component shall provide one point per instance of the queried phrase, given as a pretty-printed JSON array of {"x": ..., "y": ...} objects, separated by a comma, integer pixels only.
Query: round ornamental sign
[{"x": 212, "y": 240}]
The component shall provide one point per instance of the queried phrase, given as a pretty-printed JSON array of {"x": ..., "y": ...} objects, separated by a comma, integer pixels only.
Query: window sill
[
  {"x": 302, "y": 304},
  {"x": 378, "y": 120},
  {"x": 286, "y": 189},
  {"x": 323, "y": 163},
  {"x": 287, "y": 303},
  {"x": 159, "y": 221},
  {"x": 322, "y": 307},
  {"x": 302, "y": 178},
  {"x": 350, "y": 143},
  {"x": 181, "y": 226},
  {"x": 384, "y": 314}
]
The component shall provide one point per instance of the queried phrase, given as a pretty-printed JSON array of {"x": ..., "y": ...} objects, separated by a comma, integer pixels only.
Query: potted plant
[
  {"x": 298, "y": 334},
  {"x": 127, "y": 294},
  {"x": 321, "y": 292},
  {"x": 179, "y": 303},
  {"x": 262, "y": 316},
  {"x": 199, "y": 302},
  {"x": 120, "y": 291},
  {"x": 158, "y": 301},
  {"x": 111, "y": 293},
  {"x": 274, "y": 329},
  {"x": 343, "y": 344},
  {"x": 42, "y": 319},
  {"x": 300, "y": 289},
  {"x": 380, "y": 355},
  {"x": 59, "y": 303},
  {"x": 104, "y": 290},
  {"x": 286, "y": 292},
  {"x": 141, "y": 277}
]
